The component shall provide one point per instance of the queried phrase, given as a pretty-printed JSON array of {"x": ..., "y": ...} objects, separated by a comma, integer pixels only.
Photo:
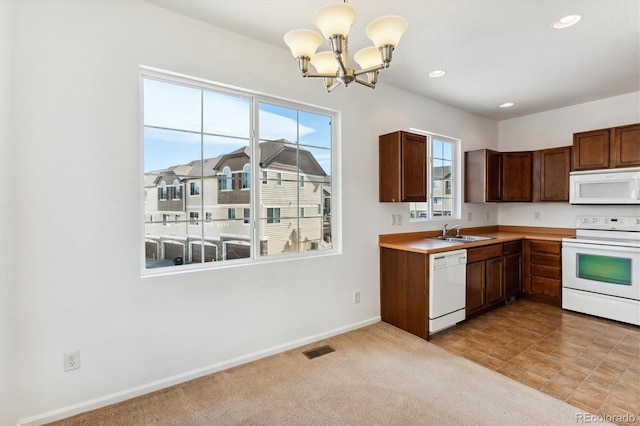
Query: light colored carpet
[{"x": 378, "y": 375}]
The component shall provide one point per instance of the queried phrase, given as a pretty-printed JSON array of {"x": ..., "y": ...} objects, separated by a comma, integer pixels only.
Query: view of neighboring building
[{"x": 201, "y": 211}]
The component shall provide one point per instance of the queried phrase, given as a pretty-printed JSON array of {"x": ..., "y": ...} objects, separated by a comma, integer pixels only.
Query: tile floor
[{"x": 589, "y": 362}]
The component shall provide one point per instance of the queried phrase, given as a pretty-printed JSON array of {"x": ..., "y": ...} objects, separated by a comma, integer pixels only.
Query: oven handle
[{"x": 602, "y": 247}]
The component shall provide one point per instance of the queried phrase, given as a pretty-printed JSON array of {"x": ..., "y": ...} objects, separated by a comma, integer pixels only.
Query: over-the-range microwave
[{"x": 606, "y": 186}]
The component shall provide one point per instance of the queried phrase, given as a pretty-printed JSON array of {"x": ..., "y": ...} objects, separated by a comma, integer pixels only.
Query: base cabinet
[
  {"x": 543, "y": 271},
  {"x": 404, "y": 290},
  {"x": 512, "y": 261},
  {"x": 484, "y": 279}
]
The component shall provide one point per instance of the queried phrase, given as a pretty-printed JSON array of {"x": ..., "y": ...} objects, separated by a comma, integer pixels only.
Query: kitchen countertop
[{"x": 419, "y": 242}]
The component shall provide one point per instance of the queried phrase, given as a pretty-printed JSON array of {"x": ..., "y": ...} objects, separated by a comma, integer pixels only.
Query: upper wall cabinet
[
  {"x": 607, "y": 148},
  {"x": 482, "y": 176},
  {"x": 551, "y": 169},
  {"x": 625, "y": 149},
  {"x": 517, "y": 168},
  {"x": 403, "y": 167},
  {"x": 492, "y": 176}
]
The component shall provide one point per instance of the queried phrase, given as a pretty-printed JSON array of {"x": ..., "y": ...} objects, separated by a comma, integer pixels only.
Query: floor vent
[{"x": 316, "y": 352}]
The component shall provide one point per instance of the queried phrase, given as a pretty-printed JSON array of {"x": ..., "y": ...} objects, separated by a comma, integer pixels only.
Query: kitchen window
[
  {"x": 240, "y": 149},
  {"x": 443, "y": 180}
]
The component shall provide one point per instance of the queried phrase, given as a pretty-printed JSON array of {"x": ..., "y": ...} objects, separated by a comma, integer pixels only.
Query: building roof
[{"x": 279, "y": 155}]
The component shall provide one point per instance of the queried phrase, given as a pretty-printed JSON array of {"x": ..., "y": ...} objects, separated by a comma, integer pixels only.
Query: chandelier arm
[
  {"x": 345, "y": 70},
  {"x": 370, "y": 69},
  {"x": 322, "y": 75},
  {"x": 365, "y": 83}
]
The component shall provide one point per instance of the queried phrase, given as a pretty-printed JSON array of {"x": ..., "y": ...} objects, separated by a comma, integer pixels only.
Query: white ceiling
[{"x": 494, "y": 51}]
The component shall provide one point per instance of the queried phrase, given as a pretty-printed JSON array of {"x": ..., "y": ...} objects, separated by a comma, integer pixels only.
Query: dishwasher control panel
[{"x": 448, "y": 259}]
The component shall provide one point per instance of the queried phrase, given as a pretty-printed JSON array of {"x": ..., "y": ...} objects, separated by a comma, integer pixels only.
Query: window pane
[
  {"x": 169, "y": 148},
  {"x": 226, "y": 115},
  {"x": 315, "y": 130},
  {"x": 278, "y": 123},
  {"x": 171, "y": 105}
]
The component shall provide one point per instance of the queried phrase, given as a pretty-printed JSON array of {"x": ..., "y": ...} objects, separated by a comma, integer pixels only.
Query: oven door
[{"x": 602, "y": 269}]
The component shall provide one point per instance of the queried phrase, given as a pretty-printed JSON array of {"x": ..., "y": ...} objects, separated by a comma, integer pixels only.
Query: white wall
[
  {"x": 556, "y": 128},
  {"x": 71, "y": 228}
]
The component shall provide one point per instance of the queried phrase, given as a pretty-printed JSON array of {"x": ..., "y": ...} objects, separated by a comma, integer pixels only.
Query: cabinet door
[
  {"x": 625, "y": 146},
  {"x": 414, "y": 167},
  {"x": 493, "y": 280},
  {"x": 555, "y": 165},
  {"x": 482, "y": 176},
  {"x": 517, "y": 176},
  {"x": 402, "y": 167},
  {"x": 493, "y": 178},
  {"x": 512, "y": 274},
  {"x": 591, "y": 149},
  {"x": 475, "y": 287}
]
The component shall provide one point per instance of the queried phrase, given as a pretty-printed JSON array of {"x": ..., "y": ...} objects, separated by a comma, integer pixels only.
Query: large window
[
  {"x": 443, "y": 179},
  {"x": 216, "y": 141}
]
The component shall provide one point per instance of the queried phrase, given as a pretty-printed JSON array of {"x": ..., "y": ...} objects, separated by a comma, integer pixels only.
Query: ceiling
[{"x": 494, "y": 51}]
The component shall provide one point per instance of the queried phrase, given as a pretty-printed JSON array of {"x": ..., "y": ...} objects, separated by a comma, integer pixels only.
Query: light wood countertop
[{"x": 420, "y": 242}]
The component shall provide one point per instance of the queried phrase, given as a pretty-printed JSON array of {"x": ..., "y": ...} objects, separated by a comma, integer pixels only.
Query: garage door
[{"x": 210, "y": 253}]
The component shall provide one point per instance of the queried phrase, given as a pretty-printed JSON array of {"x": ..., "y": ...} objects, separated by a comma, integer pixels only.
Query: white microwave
[{"x": 606, "y": 186}]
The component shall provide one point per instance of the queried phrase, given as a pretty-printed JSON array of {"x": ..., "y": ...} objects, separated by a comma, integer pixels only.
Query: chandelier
[{"x": 334, "y": 21}]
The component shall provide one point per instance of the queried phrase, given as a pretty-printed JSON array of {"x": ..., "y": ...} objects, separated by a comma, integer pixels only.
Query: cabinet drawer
[
  {"x": 545, "y": 271},
  {"x": 546, "y": 247},
  {"x": 546, "y": 260},
  {"x": 545, "y": 286},
  {"x": 482, "y": 253},
  {"x": 512, "y": 247}
]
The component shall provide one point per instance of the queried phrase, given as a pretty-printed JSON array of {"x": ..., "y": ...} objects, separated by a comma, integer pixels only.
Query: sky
[{"x": 175, "y": 115}]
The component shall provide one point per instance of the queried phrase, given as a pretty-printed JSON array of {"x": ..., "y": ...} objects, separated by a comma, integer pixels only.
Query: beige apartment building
[{"x": 200, "y": 211}]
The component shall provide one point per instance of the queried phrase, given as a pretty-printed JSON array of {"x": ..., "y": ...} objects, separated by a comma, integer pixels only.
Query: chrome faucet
[{"x": 445, "y": 231}]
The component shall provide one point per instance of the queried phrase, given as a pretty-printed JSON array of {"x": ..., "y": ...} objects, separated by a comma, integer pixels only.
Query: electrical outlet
[
  {"x": 487, "y": 217},
  {"x": 356, "y": 297},
  {"x": 72, "y": 361},
  {"x": 469, "y": 216},
  {"x": 536, "y": 215},
  {"x": 394, "y": 219},
  {"x": 399, "y": 219}
]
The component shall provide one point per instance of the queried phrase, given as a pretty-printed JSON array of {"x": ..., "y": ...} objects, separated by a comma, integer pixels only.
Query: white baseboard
[{"x": 116, "y": 397}]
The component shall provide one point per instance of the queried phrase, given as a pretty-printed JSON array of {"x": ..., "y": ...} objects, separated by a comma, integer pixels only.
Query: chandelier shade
[
  {"x": 303, "y": 42},
  {"x": 367, "y": 57},
  {"x": 386, "y": 30},
  {"x": 334, "y": 22},
  {"x": 334, "y": 19},
  {"x": 325, "y": 63}
]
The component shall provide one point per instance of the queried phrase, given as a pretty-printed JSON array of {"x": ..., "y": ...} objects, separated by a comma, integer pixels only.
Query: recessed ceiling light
[
  {"x": 567, "y": 21},
  {"x": 437, "y": 73},
  {"x": 506, "y": 105}
]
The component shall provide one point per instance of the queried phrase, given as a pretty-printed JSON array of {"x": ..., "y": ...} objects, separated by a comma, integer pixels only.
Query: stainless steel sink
[{"x": 461, "y": 238}]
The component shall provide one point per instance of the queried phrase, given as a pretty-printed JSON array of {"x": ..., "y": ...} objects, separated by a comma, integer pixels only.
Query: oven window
[{"x": 607, "y": 269}]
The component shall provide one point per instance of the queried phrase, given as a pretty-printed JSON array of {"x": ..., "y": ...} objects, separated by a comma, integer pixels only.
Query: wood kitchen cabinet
[
  {"x": 517, "y": 172},
  {"x": 483, "y": 176},
  {"x": 607, "y": 148},
  {"x": 404, "y": 294},
  {"x": 402, "y": 167},
  {"x": 543, "y": 271},
  {"x": 492, "y": 176},
  {"x": 484, "y": 279},
  {"x": 512, "y": 262},
  {"x": 625, "y": 146},
  {"x": 551, "y": 169}
]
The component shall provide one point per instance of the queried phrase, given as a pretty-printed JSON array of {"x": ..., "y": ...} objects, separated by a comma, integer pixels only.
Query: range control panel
[{"x": 613, "y": 223}]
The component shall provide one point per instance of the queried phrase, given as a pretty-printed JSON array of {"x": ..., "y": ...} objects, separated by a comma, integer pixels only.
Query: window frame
[
  {"x": 452, "y": 186},
  {"x": 334, "y": 174}
]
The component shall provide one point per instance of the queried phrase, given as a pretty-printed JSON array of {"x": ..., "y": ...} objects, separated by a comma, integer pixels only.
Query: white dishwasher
[{"x": 447, "y": 289}]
